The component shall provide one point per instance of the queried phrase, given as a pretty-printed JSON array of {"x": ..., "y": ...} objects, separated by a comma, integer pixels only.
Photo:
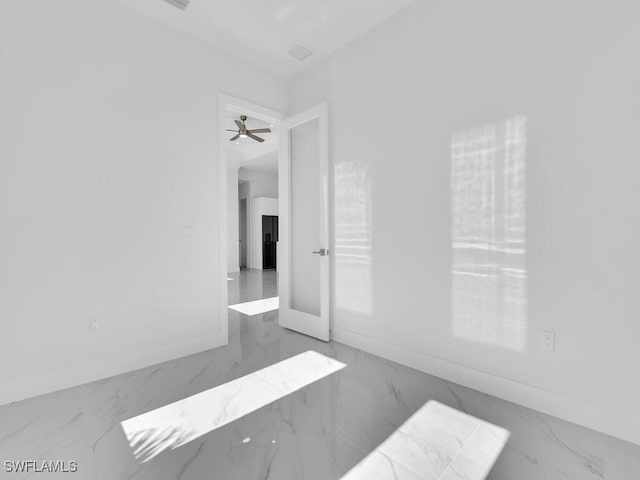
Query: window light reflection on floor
[
  {"x": 181, "y": 422},
  {"x": 435, "y": 442},
  {"x": 258, "y": 306}
]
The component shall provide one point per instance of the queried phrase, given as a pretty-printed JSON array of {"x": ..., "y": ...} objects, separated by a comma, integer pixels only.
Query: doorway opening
[
  {"x": 248, "y": 146},
  {"x": 250, "y": 169}
]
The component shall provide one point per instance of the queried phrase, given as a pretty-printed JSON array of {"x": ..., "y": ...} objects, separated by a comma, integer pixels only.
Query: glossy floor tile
[
  {"x": 436, "y": 442},
  {"x": 186, "y": 420},
  {"x": 318, "y": 432}
]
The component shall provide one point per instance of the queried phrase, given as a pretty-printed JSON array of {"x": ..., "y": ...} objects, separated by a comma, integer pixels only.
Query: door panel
[
  {"x": 305, "y": 214},
  {"x": 304, "y": 239}
]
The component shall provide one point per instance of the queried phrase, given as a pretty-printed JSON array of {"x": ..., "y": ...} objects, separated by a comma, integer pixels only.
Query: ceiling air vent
[
  {"x": 300, "y": 52},
  {"x": 181, "y": 4}
]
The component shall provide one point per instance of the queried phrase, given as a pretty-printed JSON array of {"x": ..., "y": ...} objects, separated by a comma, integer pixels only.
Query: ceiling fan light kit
[{"x": 244, "y": 132}]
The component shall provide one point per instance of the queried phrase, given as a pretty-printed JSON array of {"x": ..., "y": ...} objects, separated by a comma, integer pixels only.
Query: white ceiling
[
  {"x": 267, "y": 163},
  {"x": 261, "y": 31}
]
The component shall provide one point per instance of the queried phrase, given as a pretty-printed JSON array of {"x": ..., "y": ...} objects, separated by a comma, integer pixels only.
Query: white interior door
[{"x": 303, "y": 254}]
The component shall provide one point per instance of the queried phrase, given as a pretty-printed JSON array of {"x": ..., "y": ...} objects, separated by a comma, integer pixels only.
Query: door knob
[{"x": 322, "y": 252}]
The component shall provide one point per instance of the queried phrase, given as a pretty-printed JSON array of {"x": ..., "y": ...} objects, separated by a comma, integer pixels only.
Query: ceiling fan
[{"x": 243, "y": 132}]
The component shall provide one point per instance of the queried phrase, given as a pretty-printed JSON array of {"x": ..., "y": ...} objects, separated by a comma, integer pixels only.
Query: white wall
[
  {"x": 233, "y": 226},
  {"x": 109, "y": 147},
  {"x": 259, "y": 206},
  {"x": 431, "y": 75},
  {"x": 263, "y": 184}
]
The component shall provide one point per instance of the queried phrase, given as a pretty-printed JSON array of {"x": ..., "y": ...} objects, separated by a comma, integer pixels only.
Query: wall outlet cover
[{"x": 548, "y": 341}]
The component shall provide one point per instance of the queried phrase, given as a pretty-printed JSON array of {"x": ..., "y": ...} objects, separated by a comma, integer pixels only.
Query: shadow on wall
[
  {"x": 353, "y": 238},
  {"x": 488, "y": 234}
]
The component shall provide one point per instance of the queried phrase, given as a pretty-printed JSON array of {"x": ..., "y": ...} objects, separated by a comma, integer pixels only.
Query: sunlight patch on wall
[
  {"x": 489, "y": 275},
  {"x": 353, "y": 237},
  {"x": 181, "y": 422},
  {"x": 258, "y": 306}
]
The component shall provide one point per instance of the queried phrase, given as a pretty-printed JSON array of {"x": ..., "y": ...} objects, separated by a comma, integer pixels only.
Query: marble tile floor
[
  {"x": 319, "y": 432},
  {"x": 435, "y": 443}
]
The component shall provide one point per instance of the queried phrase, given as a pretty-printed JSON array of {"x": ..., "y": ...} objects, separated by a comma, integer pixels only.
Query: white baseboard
[
  {"x": 90, "y": 372},
  {"x": 614, "y": 423}
]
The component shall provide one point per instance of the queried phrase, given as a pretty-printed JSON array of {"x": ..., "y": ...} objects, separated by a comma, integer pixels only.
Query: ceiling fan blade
[
  {"x": 239, "y": 124},
  {"x": 260, "y": 130},
  {"x": 234, "y": 138},
  {"x": 231, "y": 130},
  {"x": 251, "y": 135}
]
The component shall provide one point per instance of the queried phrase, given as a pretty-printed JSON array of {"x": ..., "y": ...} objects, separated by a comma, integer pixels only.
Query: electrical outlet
[
  {"x": 548, "y": 341},
  {"x": 94, "y": 325}
]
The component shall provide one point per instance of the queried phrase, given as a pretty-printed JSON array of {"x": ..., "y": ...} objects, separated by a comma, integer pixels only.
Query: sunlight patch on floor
[
  {"x": 181, "y": 422},
  {"x": 435, "y": 442},
  {"x": 258, "y": 306}
]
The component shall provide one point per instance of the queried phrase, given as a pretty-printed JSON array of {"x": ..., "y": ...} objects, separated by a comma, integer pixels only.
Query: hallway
[{"x": 248, "y": 285}]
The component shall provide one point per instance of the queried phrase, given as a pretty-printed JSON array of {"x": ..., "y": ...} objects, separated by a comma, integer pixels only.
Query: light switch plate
[{"x": 94, "y": 325}]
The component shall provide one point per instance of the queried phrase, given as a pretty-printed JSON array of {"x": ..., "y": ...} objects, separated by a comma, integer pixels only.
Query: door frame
[{"x": 225, "y": 103}]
